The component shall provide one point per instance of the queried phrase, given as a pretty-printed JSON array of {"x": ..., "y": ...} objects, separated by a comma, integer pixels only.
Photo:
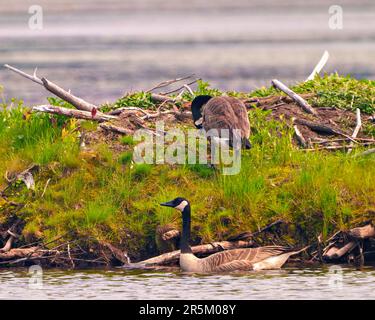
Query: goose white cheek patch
[{"x": 182, "y": 205}]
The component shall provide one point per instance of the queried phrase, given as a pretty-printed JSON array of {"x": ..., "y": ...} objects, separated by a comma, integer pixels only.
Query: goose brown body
[
  {"x": 221, "y": 113},
  {"x": 230, "y": 260}
]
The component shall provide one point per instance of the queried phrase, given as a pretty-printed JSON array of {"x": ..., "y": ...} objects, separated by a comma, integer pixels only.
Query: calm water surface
[{"x": 333, "y": 282}]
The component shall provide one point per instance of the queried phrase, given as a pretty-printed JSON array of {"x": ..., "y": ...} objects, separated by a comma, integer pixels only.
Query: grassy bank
[{"x": 97, "y": 193}]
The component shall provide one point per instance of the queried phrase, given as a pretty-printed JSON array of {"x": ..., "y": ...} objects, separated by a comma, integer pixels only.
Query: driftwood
[
  {"x": 116, "y": 129},
  {"x": 204, "y": 249},
  {"x": 322, "y": 128},
  {"x": 367, "y": 231},
  {"x": 79, "y": 103},
  {"x": 298, "y": 99},
  {"x": 20, "y": 253},
  {"x": 78, "y": 114},
  {"x": 336, "y": 253},
  {"x": 357, "y": 128},
  {"x": 171, "y": 234}
]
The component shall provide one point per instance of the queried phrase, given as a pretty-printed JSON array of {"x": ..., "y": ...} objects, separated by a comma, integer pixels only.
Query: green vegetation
[{"x": 99, "y": 193}]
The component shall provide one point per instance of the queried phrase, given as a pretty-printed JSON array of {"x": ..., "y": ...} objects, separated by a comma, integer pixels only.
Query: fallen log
[
  {"x": 78, "y": 114},
  {"x": 18, "y": 253},
  {"x": 79, "y": 103},
  {"x": 298, "y": 99},
  {"x": 204, "y": 249}
]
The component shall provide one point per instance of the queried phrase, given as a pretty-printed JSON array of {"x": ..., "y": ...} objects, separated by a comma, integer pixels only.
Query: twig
[
  {"x": 168, "y": 82},
  {"x": 300, "y": 138},
  {"x": 180, "y": 88},
  {"x": 322, "y": 62},
  {"x": 298, "y": 99},
  {"x": 45, "y": 187},
  {"x": 70, "y": 257},
  {"x": 356, "y": 129}
]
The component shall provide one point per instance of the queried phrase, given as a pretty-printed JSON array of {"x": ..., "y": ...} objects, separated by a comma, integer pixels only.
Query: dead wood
[
  {"x": 367, "y": 231},
  {"x": 204, "y": 249},
  {"x": 116, "y": 129},
  {"x": 357, "y": 128},
  {"x": 299, "y": 136},
  {"x": 78, "y": 114},
  {"x": 298, "y": 99},
  {"x": 336, "y": 253},
  {"x": 322, "y": 62},
  {"x": 79, "y": 103}
]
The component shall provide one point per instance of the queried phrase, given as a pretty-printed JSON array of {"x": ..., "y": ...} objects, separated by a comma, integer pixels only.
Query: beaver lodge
[{"x": 71, "y": 195}]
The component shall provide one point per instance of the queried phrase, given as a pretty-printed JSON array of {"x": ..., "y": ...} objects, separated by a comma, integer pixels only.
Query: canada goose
[
  {"x": 269, "y": 257},
  {"x": 222, "y": 113}
]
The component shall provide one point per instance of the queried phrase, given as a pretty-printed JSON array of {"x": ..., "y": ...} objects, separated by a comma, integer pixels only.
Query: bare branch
[
  {"x": 78, "y": 114},
  {"x": 298, "y": 99}
]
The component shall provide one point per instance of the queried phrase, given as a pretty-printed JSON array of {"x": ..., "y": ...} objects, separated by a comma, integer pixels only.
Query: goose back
[{"x": 226, "y": 113}]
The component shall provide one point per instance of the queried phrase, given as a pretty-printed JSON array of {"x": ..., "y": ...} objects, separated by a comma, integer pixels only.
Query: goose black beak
[{"x": 167, "y": 204}]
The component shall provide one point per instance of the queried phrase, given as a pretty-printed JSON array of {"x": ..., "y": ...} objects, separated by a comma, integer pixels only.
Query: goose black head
[
  {"x": 196, "y": 109},
  {"x": 178, "y": 203}
]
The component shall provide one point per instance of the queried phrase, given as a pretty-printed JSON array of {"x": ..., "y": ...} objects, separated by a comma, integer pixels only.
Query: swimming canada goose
[
  {"x": 222, "y": 113},
  {"x": 261, "y": 258}
]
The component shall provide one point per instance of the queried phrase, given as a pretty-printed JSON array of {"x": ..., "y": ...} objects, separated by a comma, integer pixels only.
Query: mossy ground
[{"x": 98, "y": 193}]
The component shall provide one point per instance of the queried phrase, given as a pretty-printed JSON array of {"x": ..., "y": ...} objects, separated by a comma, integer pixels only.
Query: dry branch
[
  {"x": 204, "y": 249},
  {"x": 322, "y": 128},
  {"x": 168, "y": 83},
  {"x": 298, "y": 99},
  {"x": 79, "y": 103},
  {"x": 78, "y": 114},
  {"x": 367, "y": 231},
  {"x": 322, "y": 62},
  {"x": 336, "y": 253},
  {"x": 357, "y": 128},
  {"x": 299, "y": 136},
  {"x": 116, "y": 129}
]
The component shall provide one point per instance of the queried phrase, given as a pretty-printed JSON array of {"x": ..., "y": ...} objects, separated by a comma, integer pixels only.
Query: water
[
  {"x": 102, "y": 49},
  {"x": 322, "y": 283}
]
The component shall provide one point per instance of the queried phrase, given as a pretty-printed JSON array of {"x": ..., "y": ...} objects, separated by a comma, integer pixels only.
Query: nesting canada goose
[
  {"x": 222, "y": 113},
  {"x": 269, "y": 257}
]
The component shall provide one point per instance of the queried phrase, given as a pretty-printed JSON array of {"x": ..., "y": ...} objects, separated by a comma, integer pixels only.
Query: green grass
[{"x": 102, "y": 195}]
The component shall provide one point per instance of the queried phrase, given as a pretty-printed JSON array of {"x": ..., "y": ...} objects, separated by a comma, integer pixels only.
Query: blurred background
[{"x": 103, "y": 49}]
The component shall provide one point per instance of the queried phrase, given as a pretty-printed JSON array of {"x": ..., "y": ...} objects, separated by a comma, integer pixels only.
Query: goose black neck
[{"x": 185, "y": 237}]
